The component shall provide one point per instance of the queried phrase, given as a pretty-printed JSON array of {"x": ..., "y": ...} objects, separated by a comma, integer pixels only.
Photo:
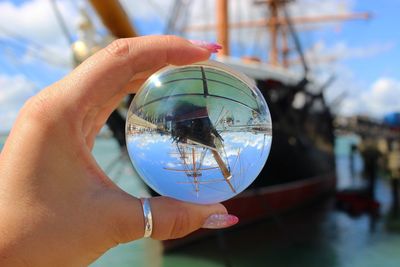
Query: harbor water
[{"x": 316, "y": 235}]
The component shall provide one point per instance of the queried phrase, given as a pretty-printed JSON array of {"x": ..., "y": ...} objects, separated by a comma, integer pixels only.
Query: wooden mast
[
  {"x": 285, "y": 49},
  {"x": 282, "y": 21},
  {"x": 273, "y": 29},
  {"x": 222, "y": 27},
  {"x": 114, "y": 18}
]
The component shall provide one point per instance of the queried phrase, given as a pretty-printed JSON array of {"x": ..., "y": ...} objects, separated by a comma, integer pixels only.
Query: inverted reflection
[{"x": 199, "y": 133}]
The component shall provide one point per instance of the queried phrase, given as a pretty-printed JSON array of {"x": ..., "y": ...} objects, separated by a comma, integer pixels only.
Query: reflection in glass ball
[{"x": 199, "y": 133}]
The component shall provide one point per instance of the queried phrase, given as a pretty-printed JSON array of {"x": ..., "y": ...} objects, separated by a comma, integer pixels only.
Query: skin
[{"x": 57, "y": 207}]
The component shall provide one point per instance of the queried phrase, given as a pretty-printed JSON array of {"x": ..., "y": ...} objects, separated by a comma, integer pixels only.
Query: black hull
[{"x": 302, "y": 142}]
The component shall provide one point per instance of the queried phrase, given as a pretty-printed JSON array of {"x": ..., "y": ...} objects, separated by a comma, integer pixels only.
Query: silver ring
[{"x": 148, "y": 218}]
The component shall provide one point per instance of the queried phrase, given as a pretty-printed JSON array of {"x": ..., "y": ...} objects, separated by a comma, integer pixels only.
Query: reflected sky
[{"x": 154, "y": 155}]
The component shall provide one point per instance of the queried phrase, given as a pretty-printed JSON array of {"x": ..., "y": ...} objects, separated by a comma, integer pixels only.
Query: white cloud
[
  {"x": 146, "y": 10},
  {"x": 31, "y": 37},
  {"x": 144, "y": 140},
  {"x": 33, "y": 24},
  {"x": 312, "y": 8},
  {"x": 381, "y": 98},
  {"x": 321, "y": 52},
  {"x": 35, "y": 20},
  {"x": 360, "y": 98},
  {"x": 374, "y": 99},
  {"x": 14, "y": 91}
]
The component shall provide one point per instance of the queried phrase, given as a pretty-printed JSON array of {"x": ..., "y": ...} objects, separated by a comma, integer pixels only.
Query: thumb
[{"x": 171, "y": 218}]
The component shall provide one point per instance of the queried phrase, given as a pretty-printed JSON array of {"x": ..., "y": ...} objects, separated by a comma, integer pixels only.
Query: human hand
[{"x": 57, "y": 207}]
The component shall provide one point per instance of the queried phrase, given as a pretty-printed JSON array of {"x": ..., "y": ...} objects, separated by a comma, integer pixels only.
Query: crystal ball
[{"x": 199, "y": 133}]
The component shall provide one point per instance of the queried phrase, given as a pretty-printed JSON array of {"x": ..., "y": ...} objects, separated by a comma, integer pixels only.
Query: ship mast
[
  {"x": 277, "y": 25},
  {"x": 114, "y": 17},
  {"x": 273, "y": 29},
  {"x": 222, "y": 27}
]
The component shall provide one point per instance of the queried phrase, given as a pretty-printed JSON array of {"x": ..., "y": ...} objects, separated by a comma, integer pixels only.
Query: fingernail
[
  {"x": 212, "y": 47},
  {"x": 217, "y": 221}
]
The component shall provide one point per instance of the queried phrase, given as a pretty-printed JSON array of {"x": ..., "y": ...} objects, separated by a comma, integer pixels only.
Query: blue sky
[
  {"x": 380, "y": 30},
  {"x": 367, "y": 52}
]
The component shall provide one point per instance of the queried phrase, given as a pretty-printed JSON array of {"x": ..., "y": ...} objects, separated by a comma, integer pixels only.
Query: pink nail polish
[
  {"x": 217, "y": 221},
  {"x": 212, "y": 47}
]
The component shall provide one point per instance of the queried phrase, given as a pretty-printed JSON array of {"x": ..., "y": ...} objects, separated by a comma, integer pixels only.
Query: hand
[{"x": 57, "y": 207}]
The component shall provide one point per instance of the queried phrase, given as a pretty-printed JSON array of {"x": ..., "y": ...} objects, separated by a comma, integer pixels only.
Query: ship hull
[
  {"x": 259, "y": 203},
  {"x": 301, "y": 165},
  {"x": 264, "y": 202}
]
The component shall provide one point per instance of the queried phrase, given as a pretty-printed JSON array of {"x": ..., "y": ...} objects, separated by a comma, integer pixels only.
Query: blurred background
[{"x": 328, "y": 195}]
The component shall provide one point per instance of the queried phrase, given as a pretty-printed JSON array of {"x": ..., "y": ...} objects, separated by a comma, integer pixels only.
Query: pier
[{"x": 365, "y": 127}]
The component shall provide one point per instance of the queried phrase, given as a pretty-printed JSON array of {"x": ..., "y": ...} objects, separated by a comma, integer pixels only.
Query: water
[
  {"x": 315, "y": 236},
  {"x": 309, "y": 238}
]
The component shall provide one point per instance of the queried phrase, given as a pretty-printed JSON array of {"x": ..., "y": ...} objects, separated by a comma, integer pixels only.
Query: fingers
[
  {"x": 85, "y": 98},
  {"x": 171, "y": 218},
  {"x": 103, "y": 76}
]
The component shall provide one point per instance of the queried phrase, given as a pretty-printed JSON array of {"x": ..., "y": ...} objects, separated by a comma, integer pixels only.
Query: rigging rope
[
  {"x": 296, "y": 40},
  {"x": 36, "y": 52},
  {"x": 61, "y": 22}
]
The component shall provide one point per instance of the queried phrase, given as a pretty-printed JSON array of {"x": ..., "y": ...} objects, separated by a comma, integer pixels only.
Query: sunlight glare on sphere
[{"x": 199, "y": 133}]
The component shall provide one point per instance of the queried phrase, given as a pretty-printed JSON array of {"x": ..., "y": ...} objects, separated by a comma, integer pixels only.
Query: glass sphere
[{"x": 199, "y": 133}]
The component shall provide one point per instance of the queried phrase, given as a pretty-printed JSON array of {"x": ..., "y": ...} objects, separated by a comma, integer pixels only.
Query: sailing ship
[{"x": 301, "y": 164}]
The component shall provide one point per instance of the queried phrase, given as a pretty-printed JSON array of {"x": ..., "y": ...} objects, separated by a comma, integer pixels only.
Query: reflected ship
[{"x": 199, "y": 133}]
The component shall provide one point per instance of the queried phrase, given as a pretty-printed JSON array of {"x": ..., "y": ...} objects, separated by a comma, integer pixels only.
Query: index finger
[{"x": 102, "y": 76}]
